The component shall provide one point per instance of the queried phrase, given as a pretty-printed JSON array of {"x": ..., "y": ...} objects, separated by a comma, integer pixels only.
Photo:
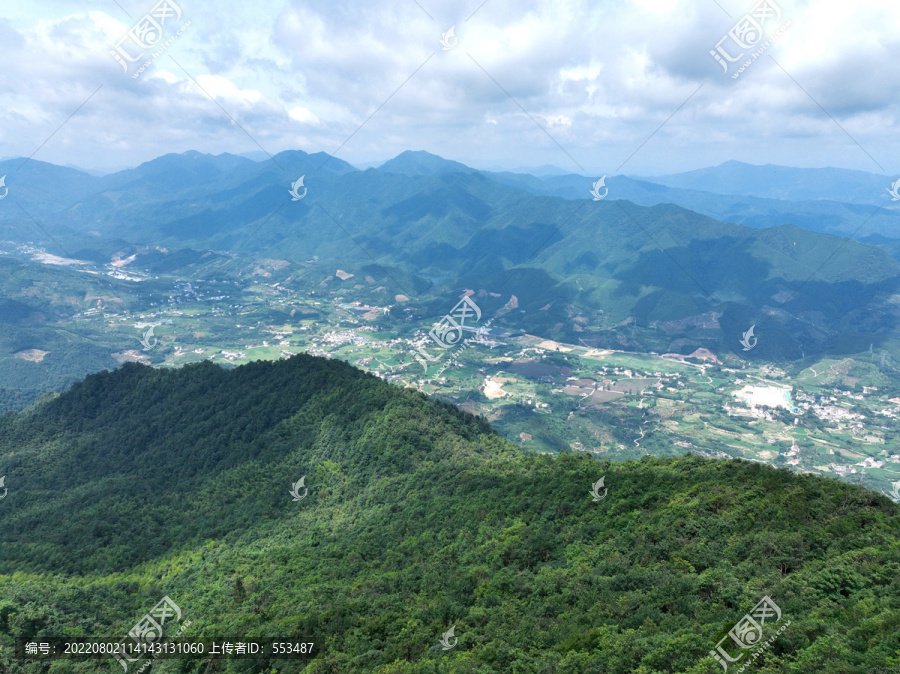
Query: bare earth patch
[
  {"x": 132, "y": 356},
  {"x": 705, "y": 354},
  {"x": 550, "y": 345},
  {"x": 492, "y": 389},
  {"x": 31, "y": 355}
]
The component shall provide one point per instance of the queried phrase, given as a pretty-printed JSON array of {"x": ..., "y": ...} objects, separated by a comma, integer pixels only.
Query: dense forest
[{"x": 142, "y": 483}]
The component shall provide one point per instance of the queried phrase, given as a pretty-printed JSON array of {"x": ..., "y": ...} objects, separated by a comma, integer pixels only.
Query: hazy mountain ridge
[
  {"x": 877, "y": 215},
  {"x": 783, "y": 182},
  {"x": 734, "y": 191}
]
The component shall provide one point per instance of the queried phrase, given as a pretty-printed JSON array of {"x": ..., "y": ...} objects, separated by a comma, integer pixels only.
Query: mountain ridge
[
  {"x": 417, "y": 517},
  {"x": 775, "y": 181}
]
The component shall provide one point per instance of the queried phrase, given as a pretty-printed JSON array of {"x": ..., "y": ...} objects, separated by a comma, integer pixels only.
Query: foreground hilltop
[{"x": 412, "y": 518}]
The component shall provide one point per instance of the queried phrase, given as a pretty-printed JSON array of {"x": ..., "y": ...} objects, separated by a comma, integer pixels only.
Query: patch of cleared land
[
  {"x": 492, "y": 389},
  {"x": 770, "y": 396},
  {"x": 32, "y": 355}
]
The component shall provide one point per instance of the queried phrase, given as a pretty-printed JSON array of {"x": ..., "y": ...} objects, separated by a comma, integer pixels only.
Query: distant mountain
[
  {"x": 99, "y": 172},
  {"x": 602, "y": 258},
  {"x": 307, "y": 500},
  {"x": 783, "y": 182},
  {"x": 174, "y": 173},
  {"x": 41, "y": 188},
  {"x": 540, "y": 171},
  {"x": 256, "y": 155},
  {"x": 567, "y": 186},
  {"x": 544, "y": 170},
  {"x": 177, "y": 185},
  {"x": 815, "y": 215},
  {"x": 821, "y": 215},
  {"x": 678, "y": 274},
  {"x": 421, "y": 163}
]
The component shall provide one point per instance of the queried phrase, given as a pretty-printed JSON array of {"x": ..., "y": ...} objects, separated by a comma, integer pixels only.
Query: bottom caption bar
[{"x": 84, "y": 648}]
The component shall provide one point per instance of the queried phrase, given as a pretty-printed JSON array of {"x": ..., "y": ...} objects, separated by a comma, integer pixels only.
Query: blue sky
[{"x": 592, "y": 87}]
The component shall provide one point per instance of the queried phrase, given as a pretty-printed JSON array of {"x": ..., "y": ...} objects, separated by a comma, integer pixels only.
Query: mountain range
[
  {"x": 578, "y": 268},
  {"x": 413, "y": 521}
]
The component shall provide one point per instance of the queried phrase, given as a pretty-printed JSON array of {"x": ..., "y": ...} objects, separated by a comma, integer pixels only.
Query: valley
[{"x": 834, "y": 416}]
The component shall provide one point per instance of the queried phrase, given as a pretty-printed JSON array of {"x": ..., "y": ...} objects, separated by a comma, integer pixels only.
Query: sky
[{"x": 592, "y": 87}]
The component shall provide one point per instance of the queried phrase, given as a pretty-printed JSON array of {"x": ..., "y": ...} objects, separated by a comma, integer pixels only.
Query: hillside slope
[
  {"x": 143, "y": 483},
  {"x": 41, "y": 347}
]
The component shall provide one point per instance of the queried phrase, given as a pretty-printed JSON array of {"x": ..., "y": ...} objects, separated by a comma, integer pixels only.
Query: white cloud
[
  {"x": 602, "y": 77},
  {"x": 226, "y": 90},
  {"x": 303, "y": 115}
]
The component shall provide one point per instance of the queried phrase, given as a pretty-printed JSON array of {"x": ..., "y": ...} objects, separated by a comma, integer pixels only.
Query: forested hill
[{"x": 143, "y": 483}]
